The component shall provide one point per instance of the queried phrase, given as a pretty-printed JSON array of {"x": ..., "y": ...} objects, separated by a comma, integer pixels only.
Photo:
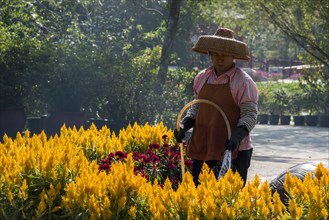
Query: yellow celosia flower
[
  {"x": 289, "y": 182},
  {"x": 295, "y": 211},
  {"x": 10, "y": 196},
  {"x": 122, "y": 202},
  {"x": 23, "y": 191},
  {"x": 42, "y": 205},
  {"x": 185, "y": 198},
  {"x": 320, "y": 171},
  {"x": 132, "y": 212},
  {"x": 71, "y": 195},
  {"x": 106, "y": 212},
  {"x": 324, "y": 213},
  {"x": 52, "y": 194},
  {"x": 93, "y": 207},
  {"x": 226, "y": 212},
  {"x": 278, "y": 206},
  {"x": 265, "y": 211},
  {"x": 209, "y": 207},
  {"x": 72, "y": 158}
]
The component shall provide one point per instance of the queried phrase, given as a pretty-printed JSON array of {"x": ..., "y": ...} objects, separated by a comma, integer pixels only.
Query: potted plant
[
  {"x": 281, "y": 98},
  {"x": 262, "y": 117},
  {"x": 312, "y": 97},
  {"x": 296, "y": 108},
  {"x": 274, "y": 107},
  {"x": 296, "y": 104},
  {"x": 323, "y": 117}
]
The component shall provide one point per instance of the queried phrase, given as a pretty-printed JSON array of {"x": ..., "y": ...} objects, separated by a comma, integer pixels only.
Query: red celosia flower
[
  {"x": 172, "y": 166},
  {"x": 175, "y": 156},
  {"x": 149, "y": 152},
  {"x": 188, "y": 163},
  {"x": 135, "y": 155},
  {"x": 142, "y": 156},
  {"x": 142, "y": 173},
  {"x": 120, "y": 154},
  {"x": 158, "y": 162},
  {"x": 105, "y": 161},
  {"x": 154, "y": 146},
  {"x": 174, "y": 148},
  {"x": 167, "y": 151},
  {"x": 174, "y": 181},
  {"x": 146, "y": 159},
  {"x": 105, "y": 167},
  {"x": 155, "y": 158},
  {"x": 110, "y": 156}
]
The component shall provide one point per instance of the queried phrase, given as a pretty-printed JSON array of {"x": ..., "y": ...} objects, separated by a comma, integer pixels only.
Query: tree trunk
[{"x": 174, "y": 12}]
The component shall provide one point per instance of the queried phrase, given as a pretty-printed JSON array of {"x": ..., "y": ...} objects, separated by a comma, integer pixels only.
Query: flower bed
[{"x": 96, "y": 174}]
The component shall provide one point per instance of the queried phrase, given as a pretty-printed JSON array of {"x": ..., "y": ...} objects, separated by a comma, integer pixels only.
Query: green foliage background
[{"x": 103, "y": 57}]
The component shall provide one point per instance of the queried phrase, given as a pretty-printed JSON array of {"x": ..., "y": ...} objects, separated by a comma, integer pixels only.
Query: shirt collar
[{"x": 229, "y": 73}]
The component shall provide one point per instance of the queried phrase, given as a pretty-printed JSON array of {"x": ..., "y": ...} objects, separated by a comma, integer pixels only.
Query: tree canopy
[{"x": 132, "y": 60}]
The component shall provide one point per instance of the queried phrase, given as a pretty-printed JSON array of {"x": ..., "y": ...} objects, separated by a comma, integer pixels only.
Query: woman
[{"x": 234, "y": 92}]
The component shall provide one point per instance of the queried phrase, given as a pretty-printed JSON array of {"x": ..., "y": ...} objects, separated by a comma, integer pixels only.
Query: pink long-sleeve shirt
[{"x": 244, "y": 92}]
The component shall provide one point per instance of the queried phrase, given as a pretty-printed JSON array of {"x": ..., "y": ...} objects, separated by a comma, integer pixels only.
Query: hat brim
[{"x": 206, "y": 43}]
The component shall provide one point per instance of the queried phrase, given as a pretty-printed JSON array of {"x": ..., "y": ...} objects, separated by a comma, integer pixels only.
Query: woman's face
[{"x": 221, "y": 62}]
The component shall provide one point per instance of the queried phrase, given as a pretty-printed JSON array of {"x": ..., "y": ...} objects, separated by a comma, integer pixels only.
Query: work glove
[
  {"x": 238, "y": 134},
  {"x": 187, "y": 123}
]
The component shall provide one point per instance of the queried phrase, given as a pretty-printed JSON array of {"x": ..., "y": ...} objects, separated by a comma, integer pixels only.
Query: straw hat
[{"x": 222, "y": 41}]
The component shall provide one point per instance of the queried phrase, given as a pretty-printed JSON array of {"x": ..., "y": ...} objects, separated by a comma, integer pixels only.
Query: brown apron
[{"x": 209, "y": 132}]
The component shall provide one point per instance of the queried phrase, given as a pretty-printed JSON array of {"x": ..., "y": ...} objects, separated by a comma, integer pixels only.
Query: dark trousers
[{"x": 240, "y": 165}]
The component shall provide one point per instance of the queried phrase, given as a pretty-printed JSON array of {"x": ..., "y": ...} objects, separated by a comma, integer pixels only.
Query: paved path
[{"x": 277, "y": 148}]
